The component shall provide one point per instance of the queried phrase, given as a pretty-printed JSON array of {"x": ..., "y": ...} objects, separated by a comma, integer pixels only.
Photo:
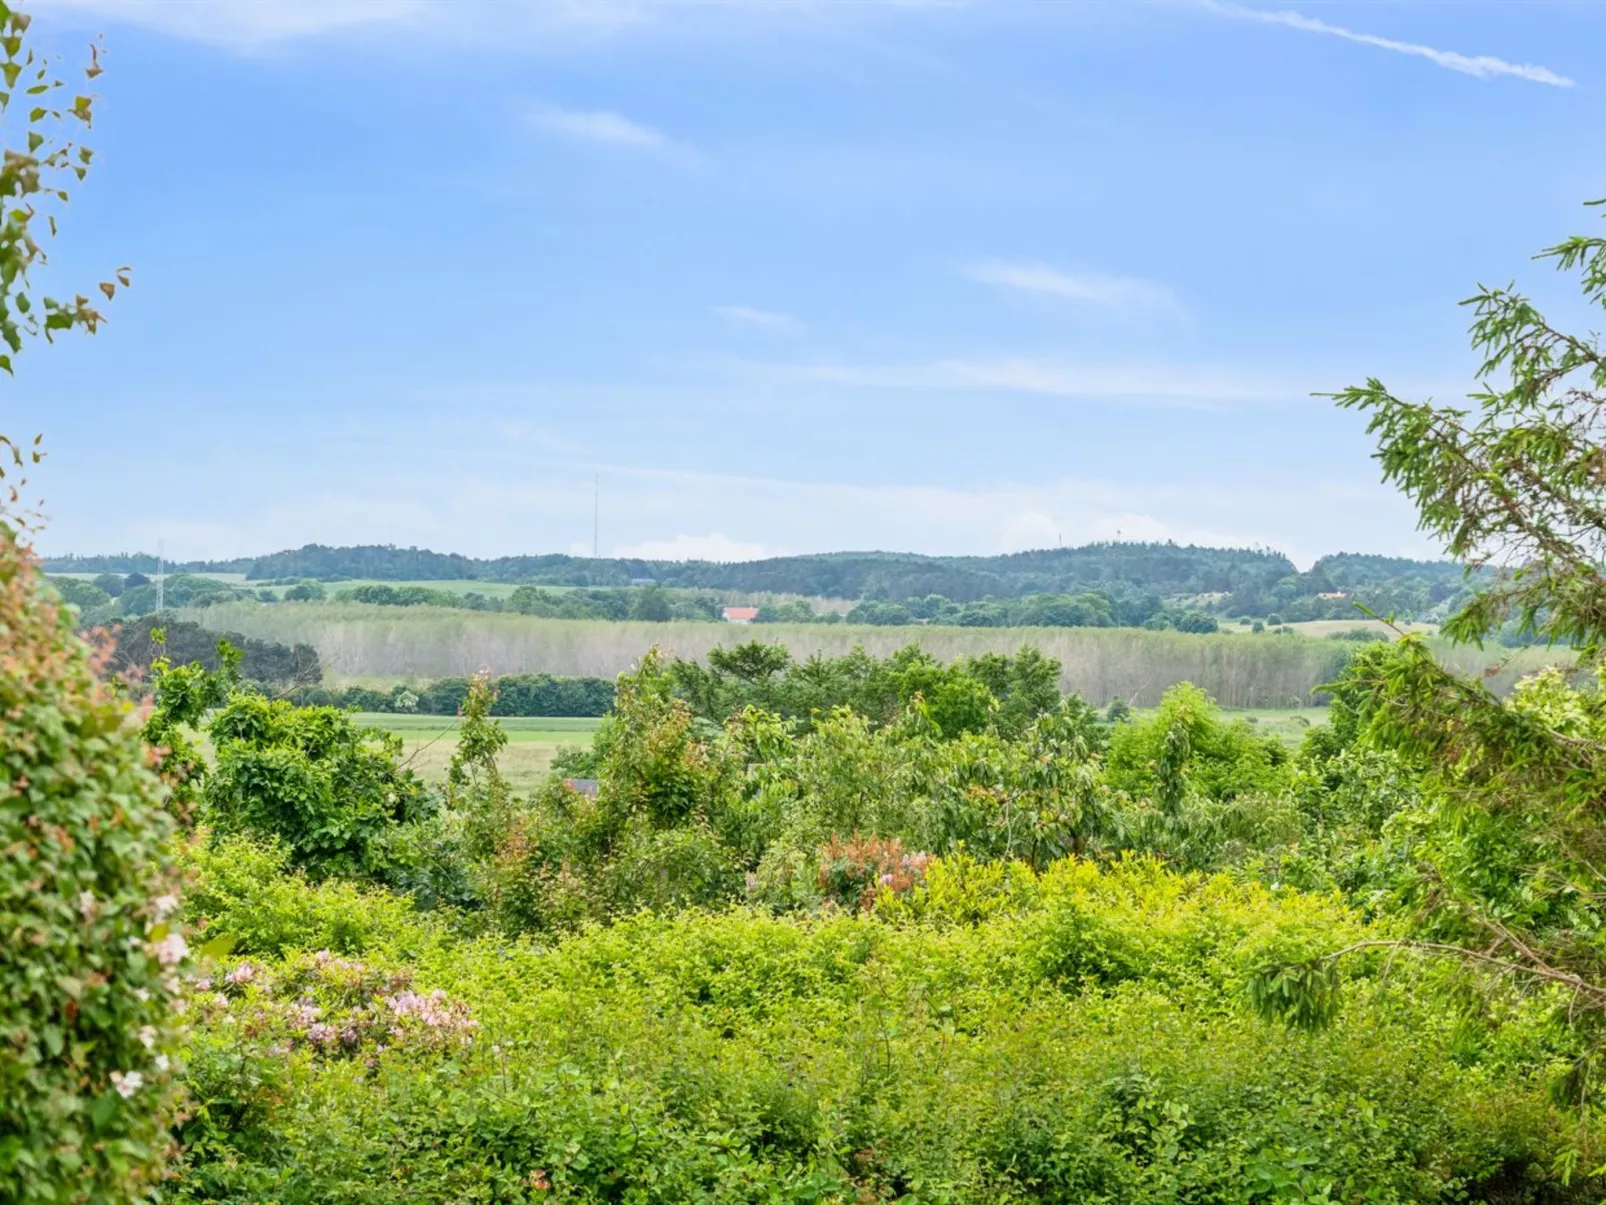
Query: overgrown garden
[{"x": 849, "y": 929}]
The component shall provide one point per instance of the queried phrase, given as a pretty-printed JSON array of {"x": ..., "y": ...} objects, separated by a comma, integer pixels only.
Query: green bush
[
  {"x": 992, "y": 1036},
  {"x": 244, "y": 891},
  {"x": 332, "y": 791},
  {"x": 1187, "y": 747},
  {"x": 89, "y": 949}
]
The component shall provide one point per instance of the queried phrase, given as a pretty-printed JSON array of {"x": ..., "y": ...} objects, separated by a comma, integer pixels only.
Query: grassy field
[
  {"x": 1321, "y": 628},
  {"x": 1287, "y": 724},
  {"x": 531, "y": 744}
]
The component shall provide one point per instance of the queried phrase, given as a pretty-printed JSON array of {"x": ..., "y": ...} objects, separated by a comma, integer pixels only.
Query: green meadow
[{"x": 429, "y": 740}]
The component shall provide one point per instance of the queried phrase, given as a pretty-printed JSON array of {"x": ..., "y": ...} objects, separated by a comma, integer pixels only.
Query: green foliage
[
  {"x": 513, "y": 694},
  {"x": 1515, "y": 484},
  {"x": 89, "y": 949},
  {"x": 305, "y": 592},
  {"x": 76, "y": 592},
  {"x": 183, "y": 695},
  {"x": 1498, "y": 848},
  {"x": 264, "y": 662},
  {"x": 970, "y": 695},
  {"x": 473, "y": 766},
  {"x": 332, "y": 791},
  {"x": 244, "y": 892},
  {"x": 1187, "y": 750},
  {"x": 991, "y": 1036},
  {"x": 178, "y": 590}
]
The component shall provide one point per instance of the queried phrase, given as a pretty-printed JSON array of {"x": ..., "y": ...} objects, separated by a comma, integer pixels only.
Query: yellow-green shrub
[{"x": 1000, "y": 1036}]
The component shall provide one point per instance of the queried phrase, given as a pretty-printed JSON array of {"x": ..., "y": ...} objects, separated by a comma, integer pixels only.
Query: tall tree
[{"x": 1511, "y": 845}]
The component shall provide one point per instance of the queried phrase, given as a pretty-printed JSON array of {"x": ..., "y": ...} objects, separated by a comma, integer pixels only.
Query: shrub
[
  {"x": 244, "y": 891},
  {"x": 88, "y": 951},
  {"x": 332, "y": 791},
  {"x": 853, "y": 873},
  {"x": 992, "y": 1036}
]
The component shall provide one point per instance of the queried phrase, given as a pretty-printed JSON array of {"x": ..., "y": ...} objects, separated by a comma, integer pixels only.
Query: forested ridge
[
  {"x": 1169, "y": 568},
  {"x": 1133, "y": 579}
]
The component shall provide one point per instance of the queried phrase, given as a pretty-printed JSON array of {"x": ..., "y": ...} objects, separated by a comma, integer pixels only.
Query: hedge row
[{"x": 516, "y": 695}]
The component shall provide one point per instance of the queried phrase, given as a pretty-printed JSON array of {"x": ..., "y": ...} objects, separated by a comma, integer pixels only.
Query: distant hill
[
  {"x": 1166, "y": 569},
  {"x": 1238, "y": 580}
]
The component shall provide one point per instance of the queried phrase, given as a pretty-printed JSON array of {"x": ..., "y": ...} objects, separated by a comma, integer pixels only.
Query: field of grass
[
  {"x": 1287, "y": 724},
  {"x": 531, "y": 743},
  {"x": 1321, "y": 628}
]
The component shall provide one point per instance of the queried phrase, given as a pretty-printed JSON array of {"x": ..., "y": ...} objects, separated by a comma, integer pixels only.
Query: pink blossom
[
  {"x": 171, "y": 950},
  {"x": 127, "y": 1083}
]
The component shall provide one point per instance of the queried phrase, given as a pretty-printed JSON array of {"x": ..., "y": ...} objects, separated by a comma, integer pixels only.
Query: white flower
[
  {"x": 147, "y": 1036},
  {"x": 243, "y": 973},
  {"x": 165, "y": 906},
  {"x": 142, "y": 994},
  {"x": 88, "y": 905},
  {"x": 161, "y": 1062},
  {"x": 171, "y": 950},
  {"x": 127, "y": 1083}
]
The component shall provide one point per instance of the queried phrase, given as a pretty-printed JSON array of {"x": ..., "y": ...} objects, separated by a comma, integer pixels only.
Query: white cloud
[
  {"x": 1482, "y": 66},
  {"x": 1178, "y": 385},
  {"x": 249, "y": 25},
  {"x": 769, "y": 320},
  {"x": 596, "y": 126},
  {"x": 712, "y": 547},
  {"x": 486, "y": 501},
  {"x": 240, "y": 24},
  {"x": 1114, "y": 292}
]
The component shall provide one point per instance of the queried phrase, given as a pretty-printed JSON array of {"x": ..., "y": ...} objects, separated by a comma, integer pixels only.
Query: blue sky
[{"x": 786, "y": 275}]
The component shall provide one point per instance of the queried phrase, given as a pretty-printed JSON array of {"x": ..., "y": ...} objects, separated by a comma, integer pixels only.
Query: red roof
[{"x": 741, "y": 612}]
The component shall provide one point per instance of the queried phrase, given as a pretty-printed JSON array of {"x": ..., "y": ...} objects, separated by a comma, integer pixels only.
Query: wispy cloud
[
  {"x": 240, "y": 24},
  {"x": 768, "y": 320},
  {"x": 596, "y": 125},
  {"x": 1183, "y": 386},
  {"x": 1481, "y": 65},
  {"x": 716, "y": 546},
  {"x": 252, "y": 25},
  {"x": 1115, "y": 292}
]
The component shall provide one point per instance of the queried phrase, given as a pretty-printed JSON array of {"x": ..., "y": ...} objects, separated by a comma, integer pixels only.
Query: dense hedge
[
  {"x": 997, "y": 1036},
  {"x": 517, "y": 695},
  {"x": 88, "y": 957}
]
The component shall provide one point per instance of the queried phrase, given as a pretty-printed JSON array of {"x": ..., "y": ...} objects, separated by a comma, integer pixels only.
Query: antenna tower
[
  {"x": 161, "y": 595},
  {"x": 596, "y": 516}
]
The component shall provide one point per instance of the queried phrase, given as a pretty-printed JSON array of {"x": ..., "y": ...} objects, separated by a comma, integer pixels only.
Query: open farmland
[
  {"x": 429, "y": 740},
  {"x": 1101, "y": 664}
]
